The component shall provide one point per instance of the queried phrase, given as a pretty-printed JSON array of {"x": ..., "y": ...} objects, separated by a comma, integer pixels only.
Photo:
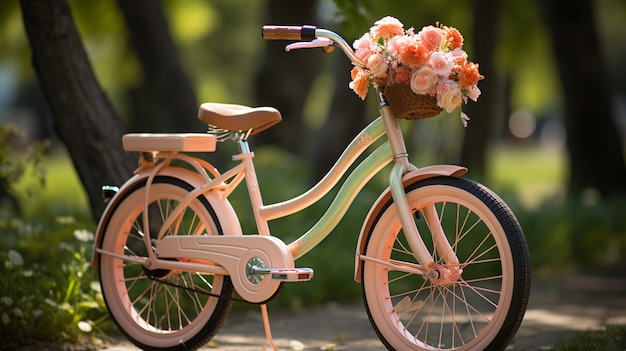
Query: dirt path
[{"x": 557, "y": 308}]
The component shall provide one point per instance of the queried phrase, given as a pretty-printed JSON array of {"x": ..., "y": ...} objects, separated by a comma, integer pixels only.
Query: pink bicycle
[{"x": 442, "y": 260}]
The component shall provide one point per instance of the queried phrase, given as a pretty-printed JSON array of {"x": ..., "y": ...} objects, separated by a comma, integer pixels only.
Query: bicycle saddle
[{"x": 238, "y": 117}]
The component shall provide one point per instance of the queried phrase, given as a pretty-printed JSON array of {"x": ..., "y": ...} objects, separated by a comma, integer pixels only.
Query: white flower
[
  {"x": 83, "y": 235},
  {"x": 18, "y": 312},
  {"x": 95, "y": 286},
  {"x": 6, "y": 319},
  {"x": 84, "y": 326},
  {"x": 450, "y": 98},
  {"x": 15, "y": 258},
  {"x": 37, "y": 313},
  {"x": 296, "y": 345},
  {"x": 6, "y": 300}
]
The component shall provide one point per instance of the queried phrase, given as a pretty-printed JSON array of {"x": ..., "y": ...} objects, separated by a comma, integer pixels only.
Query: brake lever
[{"x": 324, "y": 43}]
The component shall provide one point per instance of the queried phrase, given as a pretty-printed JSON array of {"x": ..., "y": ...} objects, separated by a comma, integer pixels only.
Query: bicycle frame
[
  {"x": 264, "y": 213},
  {"x": 391, "y": 149}
]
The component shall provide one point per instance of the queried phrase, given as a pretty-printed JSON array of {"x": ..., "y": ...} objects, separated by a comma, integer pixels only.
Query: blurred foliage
[
  {"x": 15, "y": 166},
  {"x": 575, "y": 234},
  {"x": 49, "y": 291},
  {"x": 220, "y": 45}
]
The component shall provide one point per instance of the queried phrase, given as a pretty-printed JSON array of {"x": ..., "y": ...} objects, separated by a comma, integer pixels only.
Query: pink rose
[
  {"x": 450, "y": 98},
  {"x": 431, "y": 37},
  {"x": 402, "y": 76},
  {"x": 362, "y": 47},
  {"x": 473, "y": 93},
  {"x": 423, "y": 80},
  {"x": 458, "y": 56},
  {"x": 441, "y": 64},
  {"x": 377, "y": 64},
  {"x": 395, "y": 44},
  {"x": 387, "y": 27}
]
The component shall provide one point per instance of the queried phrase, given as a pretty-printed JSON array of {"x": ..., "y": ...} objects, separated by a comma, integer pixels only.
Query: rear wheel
[
  {"x": 477, "y": 304},
  {"x": 161, "y": 309}
]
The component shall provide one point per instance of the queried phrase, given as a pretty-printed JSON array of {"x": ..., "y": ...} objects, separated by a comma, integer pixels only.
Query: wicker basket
[{"x": 405, "y": 104}]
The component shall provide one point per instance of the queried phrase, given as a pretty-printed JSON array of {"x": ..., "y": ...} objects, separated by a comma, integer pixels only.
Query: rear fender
[
  {"x": 221, "y": 205},
  {"x": 379, "y": 205}
]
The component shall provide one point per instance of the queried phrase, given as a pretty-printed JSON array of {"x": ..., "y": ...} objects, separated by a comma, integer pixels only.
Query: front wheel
[
  {"x": 481, "y": 306},
  {"x": 161, "y": 309}
]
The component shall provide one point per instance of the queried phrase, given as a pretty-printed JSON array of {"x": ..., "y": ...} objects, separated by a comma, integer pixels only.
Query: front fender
[
  {"x": 409, "y": 178},
  {"x": 223, "y": 209}
]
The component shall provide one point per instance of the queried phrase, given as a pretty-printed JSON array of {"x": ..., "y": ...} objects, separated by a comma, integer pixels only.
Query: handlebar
[
  {"x": 309, "y": 33},
  {"x": 288, "y": 32}
]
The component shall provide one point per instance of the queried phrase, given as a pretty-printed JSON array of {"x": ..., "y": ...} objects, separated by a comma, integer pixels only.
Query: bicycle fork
[{"x": 430, "y": 269}]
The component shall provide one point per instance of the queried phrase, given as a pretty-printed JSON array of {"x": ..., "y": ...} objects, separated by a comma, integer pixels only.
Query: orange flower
[
  {"x": 359, "y": 82},
  {"x": 454, "y": 38},
  {"x": 414, "y": 55},
  {"x": 469, "y": 75},
  {"x": 387, "y": 27},
  {"x": 355, "y": 72}
]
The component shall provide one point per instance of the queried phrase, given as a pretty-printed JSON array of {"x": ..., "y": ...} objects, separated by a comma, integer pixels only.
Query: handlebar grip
[{"x": 288, "y": 32}]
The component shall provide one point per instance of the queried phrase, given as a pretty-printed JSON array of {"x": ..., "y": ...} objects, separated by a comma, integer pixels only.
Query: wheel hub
[{"x": 441, "y": 275}]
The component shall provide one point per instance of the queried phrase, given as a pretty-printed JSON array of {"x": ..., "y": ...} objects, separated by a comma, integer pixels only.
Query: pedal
[
  {"x": 292, "y": 274},
  {"x": 283, "y": 274}
]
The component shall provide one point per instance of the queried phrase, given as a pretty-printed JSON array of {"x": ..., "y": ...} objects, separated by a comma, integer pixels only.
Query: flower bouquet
[{"x": 420, "y": 74}]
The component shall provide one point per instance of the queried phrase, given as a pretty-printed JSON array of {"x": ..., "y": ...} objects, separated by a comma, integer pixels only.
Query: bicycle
[{"x": 442, "y": 260}]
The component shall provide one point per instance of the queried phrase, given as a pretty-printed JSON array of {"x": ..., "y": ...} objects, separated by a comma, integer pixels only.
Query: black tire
[
  {"x": 161, "y": 309},
  {"x": 480, "y": 310}
]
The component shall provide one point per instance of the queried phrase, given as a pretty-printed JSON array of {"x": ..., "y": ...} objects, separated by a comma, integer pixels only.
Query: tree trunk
[
  {"x": 594, "y": 148},
  {"x": 285, "y": 78},
  {"x": 82, "y": 115},
  {"x": 484, "y": 113},
  {"x": 166, "y": 101}
]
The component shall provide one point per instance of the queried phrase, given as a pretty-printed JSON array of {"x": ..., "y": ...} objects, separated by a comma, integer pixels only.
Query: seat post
[
  {"x": 244, "y": 147},
  {"x": 246, "y": 156}
]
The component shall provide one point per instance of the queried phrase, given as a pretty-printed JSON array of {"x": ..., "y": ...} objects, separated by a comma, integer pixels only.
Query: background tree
[
  {"x": 284, "y": 79},
  {"x": 83, "y": 117},
  {"x": 486, "y": 114},
  {"x": 595, "y": 152},
  {"x": 165, "y": 101}
]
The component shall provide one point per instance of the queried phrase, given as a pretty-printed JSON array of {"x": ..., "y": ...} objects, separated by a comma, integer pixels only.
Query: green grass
[
  {"x": 529, "y": 174},
  {"x": 611, "y": 338}
]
